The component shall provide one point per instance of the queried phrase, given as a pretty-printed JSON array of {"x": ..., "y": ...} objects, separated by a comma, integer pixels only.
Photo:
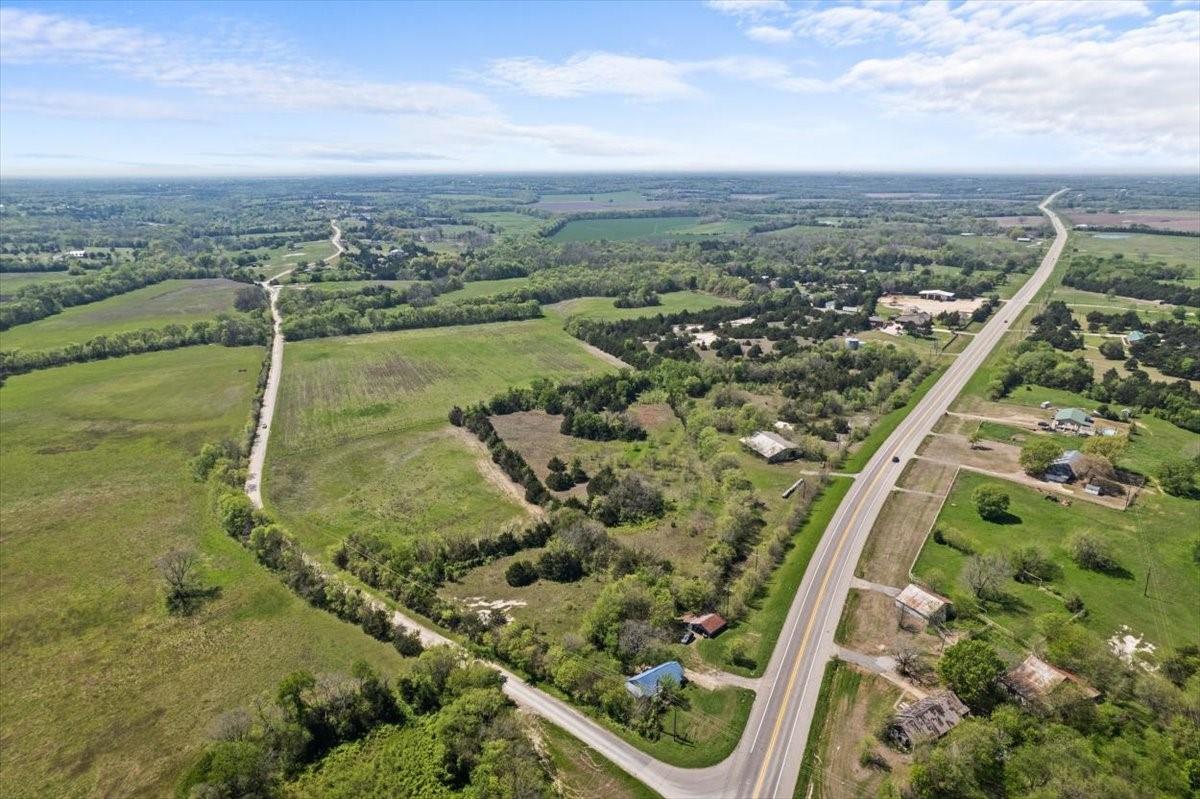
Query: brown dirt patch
[
  {"x": 1020, "y": 221},
  {"x": 921, "y": 475},
  {"x": 656, "y": 416},
  {"x": 870, "y": 624},
  {"x": 905, "y": 301},
  {"x": 897, "y": 537},
  {"x": 494, "y": 475},
  {"x": 849, "y": 728}
]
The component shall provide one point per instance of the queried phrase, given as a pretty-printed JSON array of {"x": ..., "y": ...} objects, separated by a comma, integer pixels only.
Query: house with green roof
[{"x": 1073, "y": 420}]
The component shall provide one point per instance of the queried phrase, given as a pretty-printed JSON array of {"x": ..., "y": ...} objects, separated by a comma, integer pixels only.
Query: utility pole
[{"x": 1146, "y": 590}]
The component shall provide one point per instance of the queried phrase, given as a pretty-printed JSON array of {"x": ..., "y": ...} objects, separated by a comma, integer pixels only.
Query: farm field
[
  {"x": 510, "y": 222},
  {"x": 643, "y": 228},
  {"x": 11, "y": 281},
  {"x": 1156, "y": 533},
  {"x": 602, "y": 308},
  {"x": 172, "y": 302},
  {"x": 362, "y": 441},
  {"x": 1164, "y": 219},
  {"x": 94, "y": 458},
  {"x": 484, "y": 288},
  {"x": 1183, "y": 250}
]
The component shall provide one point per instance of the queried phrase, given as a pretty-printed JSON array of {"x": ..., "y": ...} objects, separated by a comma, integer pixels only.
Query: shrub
[
  {"x": 1093, "y": 554},
  {"x": 559, "y": 481},
  {"x": 1177, "y": 477},
  {"x": 520, "y": 573},
  {"x": 406, "y": 641},
  {"x": 971, "y": 668}
]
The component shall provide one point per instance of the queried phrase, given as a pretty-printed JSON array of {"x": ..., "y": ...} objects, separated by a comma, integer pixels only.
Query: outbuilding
[
  {"x": 772, "y": 447},
  {"x": 649, "y": 682},
  {"x": 708, "y": 625},
  {"x": 1034, "y": 680},
  {"x": 931, "y": 607},
  {"x": 1062, "y": 468},
  {"x": 936, "y": 294},
  {"x": 927, "y": 719}
]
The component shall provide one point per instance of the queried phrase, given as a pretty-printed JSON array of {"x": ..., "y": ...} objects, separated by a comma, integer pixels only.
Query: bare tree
[
  {"x": 909, "y": 662},
  {"x": 985, "y": 574},
  {"x": 180, "y": 570}
]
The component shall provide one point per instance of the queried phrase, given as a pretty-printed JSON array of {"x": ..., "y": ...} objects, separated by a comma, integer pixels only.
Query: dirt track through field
[{"x": 494, "y": 475}]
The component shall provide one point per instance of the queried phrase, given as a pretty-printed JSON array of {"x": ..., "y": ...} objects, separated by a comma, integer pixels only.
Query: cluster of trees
[
  {"x": 1037, "y": 362},
  {"x": 39, "y": 300},
  {"x": 228, "y": 330},
  {"x": 1140, "y": 742},
  {"x": 561, "y": 478},
  {"x": 475, "y": 419},
  {"x": 1170, "y": 345},
  {"x": 1056, "y": 326},
  {"x": 601, "y": 426},
  {"x": 337, "y": 320},
  {"x": 366, "y": 298},
  {"x": 637, "y": 299},
  {"x": 481, "y": 748},
  {"x": 1176, "y": 402},
  {"x": 1145, "y": 281}
]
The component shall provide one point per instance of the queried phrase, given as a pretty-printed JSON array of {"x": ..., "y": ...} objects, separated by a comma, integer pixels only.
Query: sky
[{"x": 244, "y": 88}]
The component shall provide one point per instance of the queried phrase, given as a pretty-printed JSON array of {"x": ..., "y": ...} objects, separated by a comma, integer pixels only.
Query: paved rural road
[{"x": 766, "y": 762}]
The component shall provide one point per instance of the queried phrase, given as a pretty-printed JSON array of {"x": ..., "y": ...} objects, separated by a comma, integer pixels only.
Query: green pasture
[
  {"x": 1138, "y": 247},
  {"x": 509, "y": 222},
  {"x": 172, "y": 302},
  {"x": 602, "y": 308},
  {"x": 643, "y": 228},
  {"x": 10, "y": 282},
  {"x": 95, "y": 488}
]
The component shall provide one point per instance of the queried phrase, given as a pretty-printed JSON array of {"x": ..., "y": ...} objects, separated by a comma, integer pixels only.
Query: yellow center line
[{"x": 762, "y": 774}]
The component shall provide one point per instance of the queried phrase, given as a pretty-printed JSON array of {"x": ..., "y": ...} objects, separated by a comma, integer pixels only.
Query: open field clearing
[
  {"x": 362, "y": 441},
  {"x": 602, "y": 308},
  {"x": 96, "y": 487},
  {"x": 284, "y": 258},
  {"x": 1136, "y": 247},
  {"x": 11, "y": 281},
  {"x": 1155, "y": 535},
  {"x": 484, "y": 288},
  {"x": 172, "y": 302},
  {"x": 510, "y": 222},
  {"x": 645, "y": 228},
  {"x": 853, "y": 706}
]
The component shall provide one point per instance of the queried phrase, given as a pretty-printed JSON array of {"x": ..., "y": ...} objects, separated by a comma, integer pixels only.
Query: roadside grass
[
  {"x": 851, "y": 707},
  {"x": 96, "y": 487},
  {"x": 172, "y": 302},
  {"x": 361, "y": 439},
  {"x": 602, "y": 308},
  {"x": 760, "y": 629},
  {"x": 1156, "y": 534},
  {"x": 888, "y": 423},
  {"x": 583, "y": 772}
]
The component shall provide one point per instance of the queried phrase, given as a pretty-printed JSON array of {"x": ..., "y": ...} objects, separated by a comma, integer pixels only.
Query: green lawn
[
  {"x": 361, "y": 438},
  {"x": 643, "y": 228},
  {"x": 178, "y": 302},
  {"x": 1155, "y": 535},
  {"x": 760, "y": 629},
  {"x": 95, "y": 488},
  {"x": 702, "y": 733},
  {"x": 602, "y": 307}
]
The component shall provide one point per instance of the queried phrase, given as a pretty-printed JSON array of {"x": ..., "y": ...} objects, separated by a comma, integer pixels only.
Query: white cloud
[
  {"x": 770, "y": 34},
  {"x": 92, "y": 106},
  {"x": 1135, "y": 92},
  {"x": 242, "y": 68},
  {"x": 638, "y": 77},
  {"x": 752, "y": 9}
]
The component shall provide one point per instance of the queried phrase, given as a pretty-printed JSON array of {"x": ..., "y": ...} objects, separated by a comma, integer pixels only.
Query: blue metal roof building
[{"x": 647, "y": 683}]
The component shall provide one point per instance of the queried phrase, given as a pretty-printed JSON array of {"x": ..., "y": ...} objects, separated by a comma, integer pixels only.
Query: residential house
[
  {"x": 1073, "y": 420},
  {"x": 1134, "y": 336},
  {"x": 927, "y": 719},
  {"x": 772, "y": 447},
  {"x": 913, "y": 319},
  {"x": 648, "y": 683}
]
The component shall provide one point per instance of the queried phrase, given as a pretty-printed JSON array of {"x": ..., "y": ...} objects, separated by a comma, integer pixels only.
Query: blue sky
[{"x": 285, "y": 88}]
